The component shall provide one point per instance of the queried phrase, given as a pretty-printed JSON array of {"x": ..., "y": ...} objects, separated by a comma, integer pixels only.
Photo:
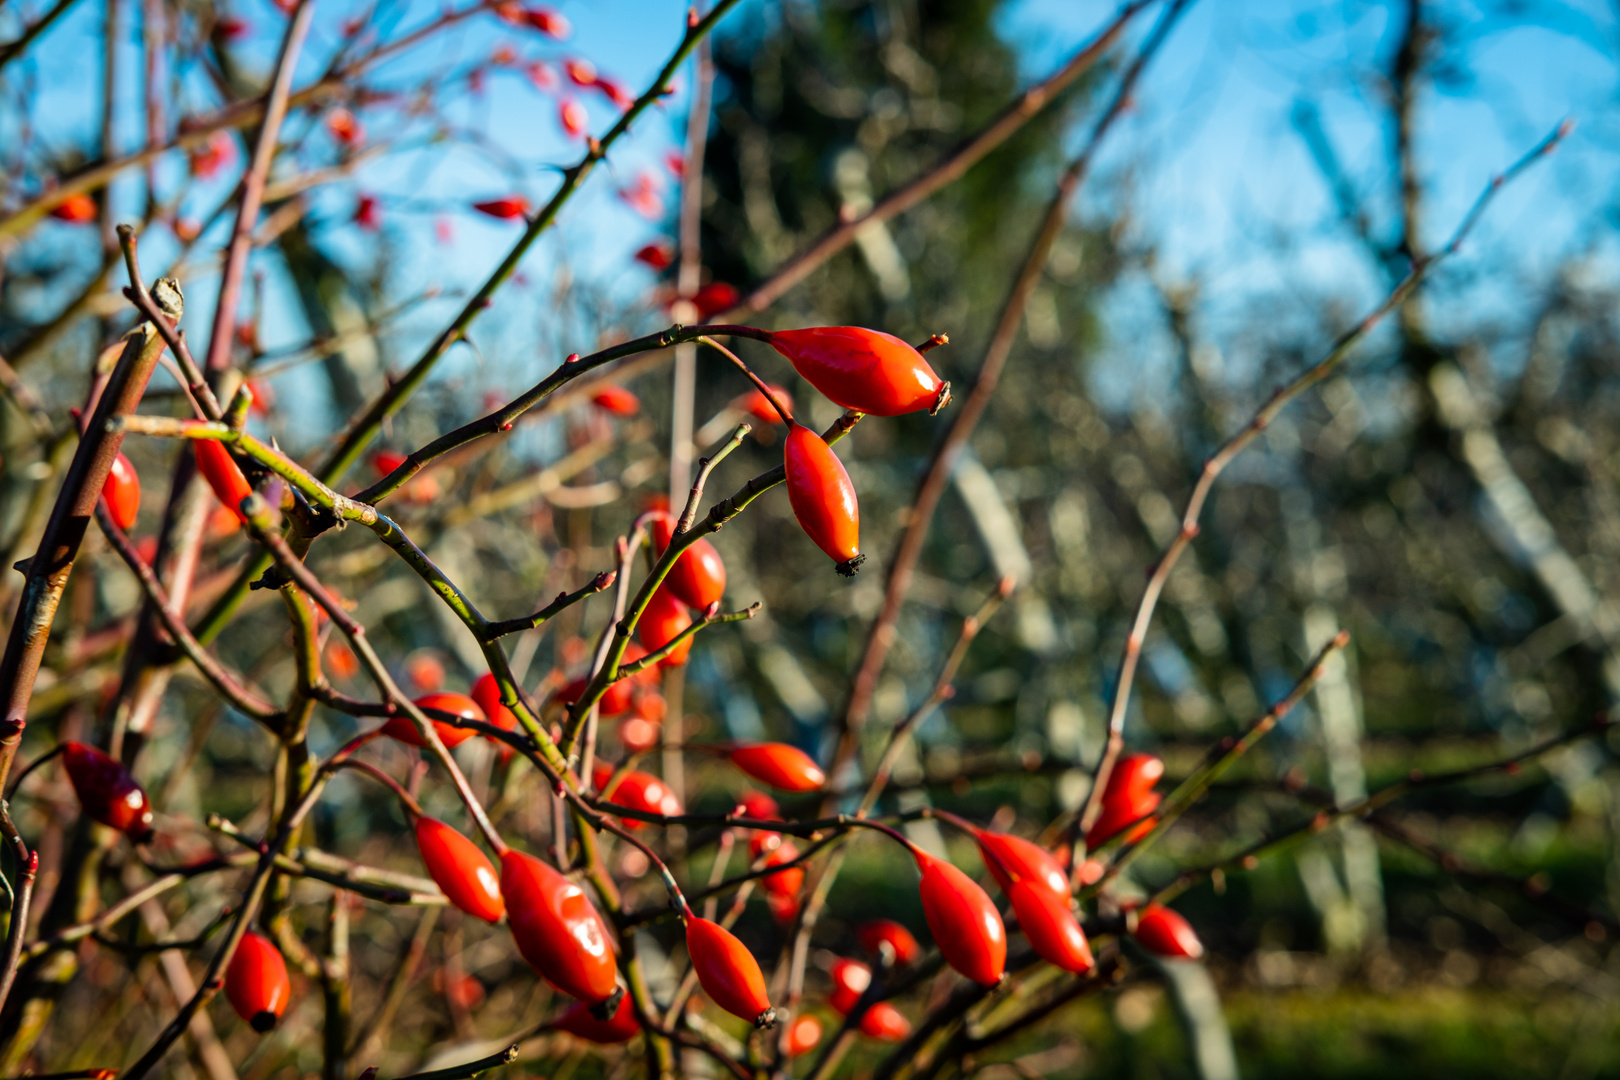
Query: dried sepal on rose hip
[
  {"x": 823, "y": 498},
  {"x": 865, "y": 370}
]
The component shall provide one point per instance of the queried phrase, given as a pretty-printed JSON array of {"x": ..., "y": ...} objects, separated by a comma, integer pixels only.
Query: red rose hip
[
  {"x": 823, "y": 498},
  {"x": 401, "y": 727},
  {"x": 460, "y": 869},
  {"x": 698, "y": 577},
  {"x": 256, "y": 982},
  {"x": 728, "y": 972},
  {"x": 861, "y": 369},
  {"x": 1053, "y": 931},
  {"x": 122, "y": 492},
  {"x": 556, "y": 929},
  {"x": 965, "y": 923},
  {"x": 582, "y": 1022},
  {"x": 222, "y": 473},
  {"x": 107, "y": 791},
  {"x": 1162, "y": 931},
  {"x": 780, "y": 766},
  {"x": 664, "y": 619}
]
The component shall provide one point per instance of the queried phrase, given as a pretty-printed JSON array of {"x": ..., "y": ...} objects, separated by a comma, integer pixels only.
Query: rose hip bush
[{"x": 573, "y": 837}]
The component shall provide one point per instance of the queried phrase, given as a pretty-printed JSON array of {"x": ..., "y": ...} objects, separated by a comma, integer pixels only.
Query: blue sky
[{"x": 1221, "y": 188}]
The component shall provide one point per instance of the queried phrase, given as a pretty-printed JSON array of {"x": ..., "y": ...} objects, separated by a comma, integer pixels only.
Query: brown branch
[
  {"x": 229, "y": 687},
  {"x": 48, "y": 571},
  {"x": 996, "y": 353},
  {"x": 1218, "y": 462},
  {"x": 1023, "y": 109},
  {"x": 21, "y": 895}
]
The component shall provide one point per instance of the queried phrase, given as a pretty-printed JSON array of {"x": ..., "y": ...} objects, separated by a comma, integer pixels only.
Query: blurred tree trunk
[{"x": 333, "y": 308}]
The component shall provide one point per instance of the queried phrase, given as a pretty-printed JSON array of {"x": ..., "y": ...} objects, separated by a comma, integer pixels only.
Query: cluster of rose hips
[{"x": 552, "y": 921}]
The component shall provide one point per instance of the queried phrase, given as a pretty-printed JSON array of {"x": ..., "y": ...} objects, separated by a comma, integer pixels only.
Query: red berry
[
  {"x": 401, "y": 727},
  {"x": 780, "y": 766},
  {"x": 850, "y": 979},
  {"x": 727, "y": 971},
  {"x": 785, "y": 883},
  {"x": 1053, "y": 931},
  {"x": 223, "y": 474},
  {"x": 878, "y": 935},
  {"x": 616, "y": 400},
  {"x": 657, "y": 256},
  {"x": 759, "y": 406},
  {"x": 885, "y": 1023},
  {"x": 386, "y": 461},
  {"x": 823, "y": 498},
  {"x": 759, "y": 806},
  {"x": 636, "y": 790},
  {"x": 1127, "y": 800},
  {"x": 77, "y": 209},
  {"x": 122, "y": 492},
  {"x": 803, "y": 1036},
  {"x": 860, "y": 369},
  {"x": 107, "y": 791},
  {"x": 784, "y": 909},
  {"x": 462, "y": 871},
  {"x": 715, "y": 298},
  {"x": 550, "y": 23},
  {"x": 573, "y": 117},
  {"x": 368, "y": 213},
  {"x": 580, "y": 72},
  {"x": 1012, "y": 858},
  {"x": 615, "y": 699},
  {"x": 581, "y": 1022},
  {"x": 615, "y": 91},
  {"x": 1163, "y": 931},
  {"x": 256, "y": 982},
  {"x": 664, "y": 619},
  {"x": 637, "y": 735},
  {"x": 505, "y": 209},
  {"x": 486, "y": 694},
  {"x": 698, "y": 577},
  {"x": 556, "y": 929},
  {"x": 965, "y": 924},
  {"x": 342, "y": 126}
]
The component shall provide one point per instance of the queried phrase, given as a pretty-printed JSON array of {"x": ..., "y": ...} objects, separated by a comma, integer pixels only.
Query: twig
[
  {"x": 1218, "y": 462},
  {"x": 972, "y": 409},
  {"x": 229, "y": 687},
  {"x": 472, "y": 1068},
  {"x": 1222, "y": 757},
  {"x": 361, "y": 431},
  {"x": 940, "y": 693},
  {"x": 135, "y": 292},
  {"x": 1023, "y": 109},
  {"x": 21, "y": 895},
  {"x": 48, "y": 571}
]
